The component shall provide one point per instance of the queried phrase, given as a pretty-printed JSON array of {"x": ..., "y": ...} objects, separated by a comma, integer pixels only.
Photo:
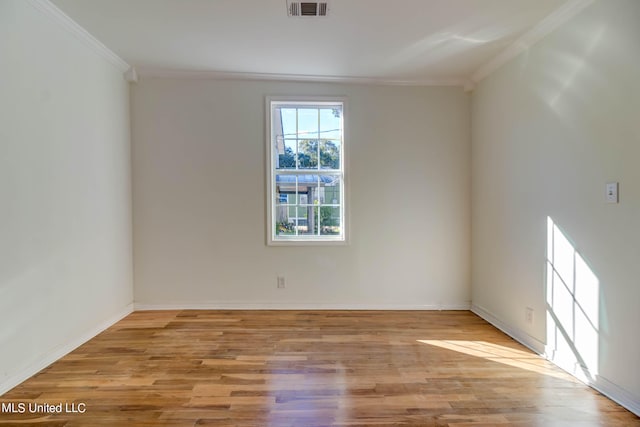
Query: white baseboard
[
  {"x": 517, "y": 334},
  {"x": 58, "y": 352},
  {"x": 232, "y": 305},
  {"x": 617, "y": 394},
  {"x": 601, "y": 384}
]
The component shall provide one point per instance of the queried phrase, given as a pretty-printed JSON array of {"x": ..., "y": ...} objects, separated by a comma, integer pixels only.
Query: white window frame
[{"x": 303, "y": 240}]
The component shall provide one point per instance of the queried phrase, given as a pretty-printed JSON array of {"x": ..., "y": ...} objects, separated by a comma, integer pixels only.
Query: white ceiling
[{"x": 411, "y": 41}]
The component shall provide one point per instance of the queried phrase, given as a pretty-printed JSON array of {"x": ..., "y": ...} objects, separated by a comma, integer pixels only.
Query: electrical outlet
[
  {"x": 281, "y": 284},
  {"x": 528, "y": 315},
  {"x": 612, "y": 192}
]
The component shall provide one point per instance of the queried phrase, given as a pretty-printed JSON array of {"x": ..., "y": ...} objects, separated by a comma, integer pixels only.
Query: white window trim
[{"x": 272, "y": 239}]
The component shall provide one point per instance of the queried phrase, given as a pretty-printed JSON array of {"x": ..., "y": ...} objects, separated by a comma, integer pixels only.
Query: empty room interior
[{"x": 341, "y": 213}]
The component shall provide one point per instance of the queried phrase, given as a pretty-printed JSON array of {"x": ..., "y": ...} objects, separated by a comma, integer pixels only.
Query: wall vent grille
[{"x": 307, "y": 8}]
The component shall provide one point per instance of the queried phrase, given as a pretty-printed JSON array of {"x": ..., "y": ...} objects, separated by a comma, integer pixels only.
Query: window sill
[{"x": 307, "y": 242}]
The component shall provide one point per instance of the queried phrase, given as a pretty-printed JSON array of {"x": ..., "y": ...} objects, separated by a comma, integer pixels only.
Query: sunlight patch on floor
[{"x": 521, "y": 359}]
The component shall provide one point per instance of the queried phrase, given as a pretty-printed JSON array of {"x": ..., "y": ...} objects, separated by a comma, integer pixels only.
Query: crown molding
[
  {"x": 554, "y": 20},
  {"x": 58, "y": 16},
  {"x": 131, "y": 75},
  {"x": 153, "y": 72},
  {"x": 469, "y": 85}
]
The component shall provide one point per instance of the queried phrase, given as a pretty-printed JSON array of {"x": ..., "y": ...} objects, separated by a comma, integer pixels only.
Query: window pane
[
  {"x": 308, "y": 189},
  {"x": 305, "y": 220},
  {"x": 331, "y": 123},
  {"x": 286, "y": 154},
  {"x": 308, "y": 123},
  {"x": 329, "y": 220},
  {"x": 285, "y": 199},
  {"x": 285, "y": 193},
  {"x": 330, "y": 189},
  {"x": 330, "y": 154},
  {"x": 285, "y": 228},
  {"x": 308, "y": 154},
  {"x": 285, "y": 223},
  {"x": 288, "y": 122},
  {"x": 286, "y": 188}
]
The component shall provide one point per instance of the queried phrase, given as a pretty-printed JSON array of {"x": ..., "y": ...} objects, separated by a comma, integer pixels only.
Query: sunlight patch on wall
[
  {"x": 574, "y": 65},
  {"x": 572, "y": 307}
]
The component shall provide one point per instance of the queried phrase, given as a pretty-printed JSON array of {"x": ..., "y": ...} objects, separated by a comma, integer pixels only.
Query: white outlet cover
[
  {"x": 612, "y": 192},
  {"x": 529, "y": 315}
]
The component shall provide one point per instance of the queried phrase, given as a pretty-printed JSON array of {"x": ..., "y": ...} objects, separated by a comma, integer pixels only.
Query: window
[{"x": 305, "y": 168}]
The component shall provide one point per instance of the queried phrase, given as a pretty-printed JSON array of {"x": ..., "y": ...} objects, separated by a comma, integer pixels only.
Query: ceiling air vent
[{"x": 307, "y": 8}]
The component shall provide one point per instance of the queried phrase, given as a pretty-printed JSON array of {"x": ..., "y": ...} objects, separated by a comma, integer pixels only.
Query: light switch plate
[{"x": 612, "y": 192}]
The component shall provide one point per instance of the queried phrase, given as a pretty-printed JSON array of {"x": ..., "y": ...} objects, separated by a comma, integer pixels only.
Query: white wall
[
  {"x": 549, "y": 130},
  {"x": 65, "y": 199},
  {"x": 199, "y": 199}
]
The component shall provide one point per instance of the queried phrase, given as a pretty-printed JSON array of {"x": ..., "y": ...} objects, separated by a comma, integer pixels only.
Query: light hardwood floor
[{"x": 309, "y": 368}]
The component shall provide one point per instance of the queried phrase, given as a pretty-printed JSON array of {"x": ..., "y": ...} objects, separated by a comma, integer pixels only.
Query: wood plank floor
[{"x": 308, "y": 368}]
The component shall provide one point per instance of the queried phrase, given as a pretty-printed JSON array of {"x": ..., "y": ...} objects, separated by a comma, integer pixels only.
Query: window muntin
[{"x": 306, "y": 171}]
